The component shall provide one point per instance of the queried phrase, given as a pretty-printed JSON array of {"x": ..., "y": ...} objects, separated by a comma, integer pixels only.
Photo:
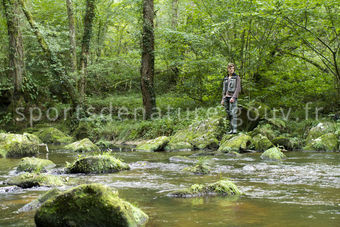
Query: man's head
[{"x": 231, "y": 68}]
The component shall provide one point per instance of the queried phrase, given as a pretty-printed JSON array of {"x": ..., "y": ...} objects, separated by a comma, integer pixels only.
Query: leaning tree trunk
[
  {"x": 72, "y": 34},
  {"x": 55, "y": 63},
  {"x": 148, "y": 60},
  {"x": 88, "y": 24},
  {"x": 16, "y": 50}
]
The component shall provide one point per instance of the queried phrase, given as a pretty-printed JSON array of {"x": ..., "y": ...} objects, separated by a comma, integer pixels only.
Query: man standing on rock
[{"x": 231, "y": 89}]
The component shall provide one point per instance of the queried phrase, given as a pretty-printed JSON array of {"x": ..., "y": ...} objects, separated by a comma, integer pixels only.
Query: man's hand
[
  {"x": 222, "y": 102},
  {"x": 232, "y": 100}
]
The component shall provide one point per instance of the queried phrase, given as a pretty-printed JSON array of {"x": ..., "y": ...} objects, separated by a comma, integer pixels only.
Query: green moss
[
  {"x": 236, "y": 143},
  {"x": 16, "y": 145},
  {"x": 319, "y": 130},
  {"x": 179, "y": 146},
  {"x": 326, "y": 142},
  {"x": 28, "y": 180},
  {"x": 222, "y": 187},
  {"x": 273, "y": 154},
  {"x": 89, "y": 205},
  {"x": 261, "y": 143},
  {"x": 157, "y": 144},
  {"x": 266, "y": 130},
  {"x": 201, "y": 168},
  {"x": 97, "y": 164},
  {"x": 53, "y": 135},
  {"x": 34, "y": 165},
  {"x": 84, "y": 145},
  {"x": 203, "y": 134}
]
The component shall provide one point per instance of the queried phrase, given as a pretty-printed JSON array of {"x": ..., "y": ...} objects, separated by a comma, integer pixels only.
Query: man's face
[{"x": 231, "y": 69}]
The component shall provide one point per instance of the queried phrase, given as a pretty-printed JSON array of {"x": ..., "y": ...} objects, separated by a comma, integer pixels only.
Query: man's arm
[{"x": 238, "y": 87}]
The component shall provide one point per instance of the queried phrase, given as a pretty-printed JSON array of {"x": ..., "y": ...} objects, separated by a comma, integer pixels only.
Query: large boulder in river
[
  {"x": 84, "y": 145},
  {"x": 53, "y": 136},
  {"x": 222, "y": 188},
  {"x": 17, "y": 145},
  {"x": 29, "y": 180},
  {"x": 237, "y": 143},
  {"x": 261, "y": 143},
  {"x": 203, "y": 134},
  {"x": 89, "y": 205},
  {"x": 34, "y": 165},
  {"x": 157, "y": 144},
  {"x": 97, "y": 164},
  {"x": 326, "y": 142},
  {"x": 273, "y": 154}
]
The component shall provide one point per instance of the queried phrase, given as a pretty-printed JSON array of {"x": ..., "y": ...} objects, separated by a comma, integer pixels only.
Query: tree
[
  {"x": 72, "y": 34},
  {"x": 16, "y": 50},
  {"x": 85, "y": 50},
  {"x": 148, "y": 59}
]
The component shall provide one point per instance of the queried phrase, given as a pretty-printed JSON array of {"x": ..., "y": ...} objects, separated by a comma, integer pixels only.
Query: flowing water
[{"x": 303, "y": 190}]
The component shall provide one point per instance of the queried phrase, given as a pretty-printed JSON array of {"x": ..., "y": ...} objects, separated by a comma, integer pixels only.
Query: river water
[{"x": 303, "y": 190}]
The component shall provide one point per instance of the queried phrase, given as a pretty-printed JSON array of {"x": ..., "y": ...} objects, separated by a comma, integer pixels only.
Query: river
[{"x": 303, "y": 190}]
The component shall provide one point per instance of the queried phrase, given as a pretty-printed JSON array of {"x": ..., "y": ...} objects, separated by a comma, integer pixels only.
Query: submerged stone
[
  {"x": 182, "y": 159},
  {"x": 157, "y": 144},
  {"x": 237, "y": 143},
  {"x": 89, "y": 205},
  {"x": 222, "y": 188},
  {"x": 34, "y": 165},
  {"x": 97, "y": 164},
  {"x": 29, "y": 180},
  {"x": 17, "y": 146},
  {"x": 326, "y": 142},
  {"x": 53, "y": 136},
  {"x": 84, "y": 145},
  {"x": 35, "y": 204},
  {"x": 273, "y": 154}
]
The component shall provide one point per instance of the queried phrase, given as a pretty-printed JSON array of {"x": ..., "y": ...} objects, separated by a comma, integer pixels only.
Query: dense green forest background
[{"x": 286, "y": 52}]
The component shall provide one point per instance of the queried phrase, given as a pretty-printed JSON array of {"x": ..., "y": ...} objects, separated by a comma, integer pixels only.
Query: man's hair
[{"x": 231, "y": 64}]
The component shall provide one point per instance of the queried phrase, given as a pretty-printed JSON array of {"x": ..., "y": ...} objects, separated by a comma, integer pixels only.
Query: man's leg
[
  {"x": 227, "y": 106},
  {"x": 233, "y": 112}
]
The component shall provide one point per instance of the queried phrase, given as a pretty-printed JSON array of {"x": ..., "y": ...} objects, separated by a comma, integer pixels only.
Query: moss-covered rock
[
  {"x": 34, "y": 165},
  {"x": 201, "y": 168},
  {"x": 84, "y": 145},
  {"x": 97, "y": 164},
  {"x": 179, "y": 146},
  {"x": 273, "y": 154},
  {"x": 35, "y": 204},
  {"x": 204, "y": 134},
  {"x": 326, "y": 142},
  {"x": 289, "y": 143},
  {"x": 29, "y": 180},
  {"x": 222, "y": 188},
  {"x": 89, "y": 205},
  {"x": 261, "y": 143},
  {"x": 157, "y": 144},
  {"x": 266, "y": 130},
  {"x": 319, "y": 130},
  {"x": 106, "y": 145},
  {"x": 237, "y": 143},
  {"x": 16, "y": 145},
  {"x": 53, "y": 136}
]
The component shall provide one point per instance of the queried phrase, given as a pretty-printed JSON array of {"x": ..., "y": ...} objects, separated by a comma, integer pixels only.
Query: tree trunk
[
  {"x": 55, "y": 64},
  {"x": 148, "y": 59},
  {"x": 88, "y": 24},
  {"x": 72, "y": 35},
  {"x": 16, "y": 51},
  {"x": 174, "y": 16}
]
